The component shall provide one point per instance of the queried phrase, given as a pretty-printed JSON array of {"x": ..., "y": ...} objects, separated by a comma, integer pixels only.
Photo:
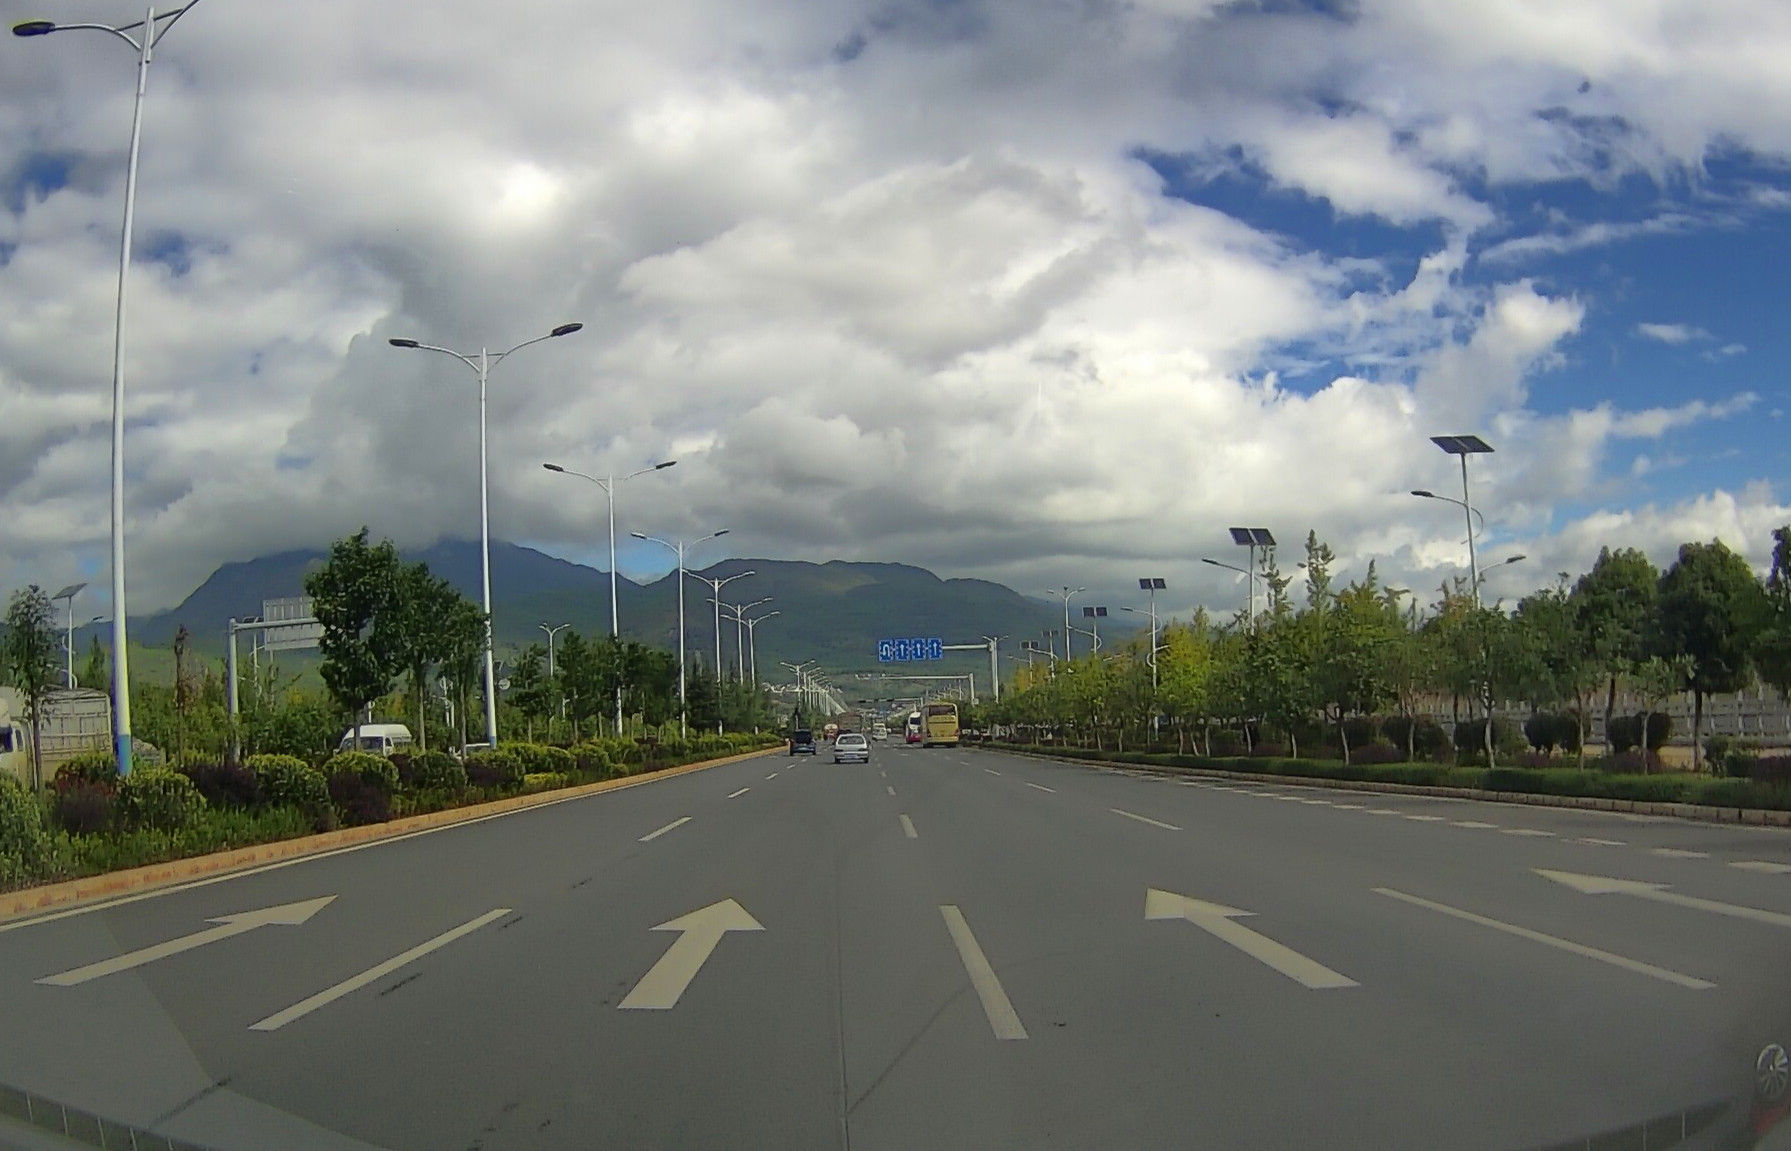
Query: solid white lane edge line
[
  {"x": 379, "y": 971},
  {"x": 908, "y": 828},
  {"x": 1568, "y": 945},
  {"x": 672, "y": 826},
  {"x": 1041, "y": 787},
  {"x": 1003, "y": 1019},
  {"x": 1145, "y": 819},
  {"x": 737, "y": 794}
]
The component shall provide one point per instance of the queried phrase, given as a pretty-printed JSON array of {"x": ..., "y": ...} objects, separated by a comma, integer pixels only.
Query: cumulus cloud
[
  {"x": 1671, "y": 334},
  {"x": 888, "y": 279}
]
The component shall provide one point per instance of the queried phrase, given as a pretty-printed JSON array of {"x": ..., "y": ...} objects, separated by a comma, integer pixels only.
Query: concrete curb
[
  {"x": 1752, "y": 816},
  {"x": 14, "y": 904}
]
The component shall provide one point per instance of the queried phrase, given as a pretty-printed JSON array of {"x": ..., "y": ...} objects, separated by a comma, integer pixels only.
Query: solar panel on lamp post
[
  {"x": 68, "y": 643},
  {"x": 1252, "y": 538},
  {"x": 1463, "y": 447}
]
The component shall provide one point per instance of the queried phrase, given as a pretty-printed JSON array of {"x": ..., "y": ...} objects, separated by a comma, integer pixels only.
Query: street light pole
[
  {"x": 481, "y": 368},
  {"x": 752, "y": 644},
  {"x": 1064, "y": 594},
  {"x": 68, "y": 595},
  {"x": 149, "y": 34},
  {"x": 608, "y": 484},
  {"x": 679, "y": 548},
  {"x": 715, "y": 586},
  {"x": 1464, "y": 446}
]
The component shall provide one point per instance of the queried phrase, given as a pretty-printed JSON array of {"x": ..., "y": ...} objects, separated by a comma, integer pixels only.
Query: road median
[
  {"x": 1706, "y": 812},
  {"x": 53, "y": 896}
]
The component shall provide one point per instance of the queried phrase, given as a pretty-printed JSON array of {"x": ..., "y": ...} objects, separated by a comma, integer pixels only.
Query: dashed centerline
[
  {"x": 672, "y": 826},
  {"x": 1678, "y": 853},
  {"x": 1765, "y": 867},
  {"x": 1145, "y": 819},
  {"x": 1042, "y": 787},
  {"x": 908, "y": 828},
  {"x": 738, "y": 794}
]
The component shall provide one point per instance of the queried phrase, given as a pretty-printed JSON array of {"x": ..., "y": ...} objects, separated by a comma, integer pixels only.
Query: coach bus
[{"x": 941, "y": 720}]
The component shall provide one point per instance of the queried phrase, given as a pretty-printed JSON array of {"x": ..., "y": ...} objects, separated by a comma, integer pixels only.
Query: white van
[{"x": 378, "y": 738}]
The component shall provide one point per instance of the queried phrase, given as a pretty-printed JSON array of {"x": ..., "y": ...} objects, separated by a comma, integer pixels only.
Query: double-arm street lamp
[
  {"x": 752, "y": 644},
  {"x": 142, "y": 36},
  {"x": 608, "y": 484},
  {"x": 481, "y": 366},
  {"x": 1252, "y": 577},
  {"x": 715, "y": 584},
  {"x": 679, "y": 548},
  {"x": 1065, "y": 593}
]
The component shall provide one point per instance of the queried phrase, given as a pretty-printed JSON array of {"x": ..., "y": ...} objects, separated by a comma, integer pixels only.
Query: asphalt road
[{"x": 944, "y": 948}]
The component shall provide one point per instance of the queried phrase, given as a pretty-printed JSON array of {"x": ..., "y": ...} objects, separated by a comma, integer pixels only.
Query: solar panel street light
[{"x": 1462, "y": 447}]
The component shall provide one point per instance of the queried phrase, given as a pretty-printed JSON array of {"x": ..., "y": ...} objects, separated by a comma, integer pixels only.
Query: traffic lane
[
  {"x": 1370, "y": 1060},
  {"x": 388, "y": 897},
  {"x": 1497, "y": 872},
  {"x": 529, "y": 1018},
  {"x": 1730, "y": 841}
]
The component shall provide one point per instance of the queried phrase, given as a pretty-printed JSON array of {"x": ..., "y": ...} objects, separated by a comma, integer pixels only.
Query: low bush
[
  {"x": 1427, "y": 738},
  {"x": 496, "y": 769},
  {"x": 592, "y": 761},
  {"x": 1470, "y": 739},
  {"x": 434, "y": 771},
  {"x": 544, "y": 781},
  {"x": 1535, "y": 760},
  {"x": 1548, "y": 730},
  {"x": 1361, "y": 730},
  {"x": 1227, "y": 742},
  {"x": 215, "y": 830},
  {"x": 156, "y": 799},
  {"x": 1770, "y": 770},
  {"x": 1268, "y": 749},
  {"x": 82, "y": 808},
  {"x": 25, "y": 845},
  {"x": 90, "y": 767},
  {"x": 289, "y": 781},
  {"x": 1730, "y": 756},
  {"x": 1376, "y": 752},
  {"x": 1651, "y": 730},
  {"x": 225, "y": 785},
  {"x": 359, "y": 799},
  {"x": 375, "y": 771}
]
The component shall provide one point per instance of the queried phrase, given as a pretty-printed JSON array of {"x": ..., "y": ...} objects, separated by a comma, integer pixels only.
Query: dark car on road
[{"x": 803, "y": 743}]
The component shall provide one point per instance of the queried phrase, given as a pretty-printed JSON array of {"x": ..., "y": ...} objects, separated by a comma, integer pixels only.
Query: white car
[
  {"x": 851, "y": 747},
  {"x": 880, "y": 731}
]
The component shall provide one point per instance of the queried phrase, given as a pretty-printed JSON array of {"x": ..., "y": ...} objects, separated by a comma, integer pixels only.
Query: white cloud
[
  {"x": 916, "y": 300},
  {"x": 1671, "y": 334}
]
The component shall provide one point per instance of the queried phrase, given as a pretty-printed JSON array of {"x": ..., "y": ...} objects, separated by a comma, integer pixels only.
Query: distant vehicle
[
  {"x": 849, "y": 721},
  {"x": 941, "y": 725},
  {"x": 879, "y": 731},
  {"x": 851, "y": 747},
  {"x": 912, "y": 732},
  {"x": 378, "y": 738},
  {"x": 75, "y": 723},
  {"x": 802, "y": 743}
]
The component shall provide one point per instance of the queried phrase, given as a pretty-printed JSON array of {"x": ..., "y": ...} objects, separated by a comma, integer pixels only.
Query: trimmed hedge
[
  {"x": 158, "y": 800},
  {"x": 436, "y": 771},
  {"x": 376, "y": 771},
  {"x": 90, "y": 767},
  {"x": 498, "y": 769},
  {"x": 289, "y": 781}
]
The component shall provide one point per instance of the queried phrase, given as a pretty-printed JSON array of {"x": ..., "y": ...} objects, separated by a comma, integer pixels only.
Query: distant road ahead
[{"x": 947, "y": 948}]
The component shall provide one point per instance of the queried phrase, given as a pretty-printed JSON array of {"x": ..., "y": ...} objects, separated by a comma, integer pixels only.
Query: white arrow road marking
[
  {"x": 1221, "y": 921},
  {"x": 738, "y": 794},
  {"x": 908, "y": 828},
  {"x": 285, "y": 915},
  {"x": 1003, "y": 1019},
  {"x": 379, "y": 971},
  {"x": 1568, "y": 945},
  {"x": 1042, "y": 787},
  {"x": 1763, "y": 866},
  {"x": 699, "y": 932},
  {"x": 1601, "y": 885},
  {"x": 672, "y": 826},
  {"x": 1145, "y": 819}
]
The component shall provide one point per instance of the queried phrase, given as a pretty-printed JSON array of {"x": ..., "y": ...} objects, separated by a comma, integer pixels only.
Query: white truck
[{"x": 74, "y": 723}]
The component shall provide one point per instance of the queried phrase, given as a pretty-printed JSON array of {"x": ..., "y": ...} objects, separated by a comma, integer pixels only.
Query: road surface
[{"x": 944, "y": 948}]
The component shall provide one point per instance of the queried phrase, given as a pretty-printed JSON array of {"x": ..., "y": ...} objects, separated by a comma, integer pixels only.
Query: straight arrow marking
[
  {"x": 1567, "y": 945},
  {"x": 285, "y": 915},
  {"x": 379, "y": 971},
  {"x": 1599, "y": 885},
  {"x": 698, "y": 934},
  {"x": 1221, "y": 921}
]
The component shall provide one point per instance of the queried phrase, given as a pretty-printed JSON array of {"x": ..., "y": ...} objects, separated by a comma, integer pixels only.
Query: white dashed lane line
[
  {"x": 1474, "y": 823},
  {"x": 1042, "y": 787},
  {"x": 1678, "y": 853},
  {"x": 738, "y": 794},
  {"x": 1764, "y": 867},
  {"x": 1531, "y": 832}
]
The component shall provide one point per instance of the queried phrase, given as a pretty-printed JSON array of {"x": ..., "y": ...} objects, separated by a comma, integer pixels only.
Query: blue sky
[{"x": 1038, "y": 293}]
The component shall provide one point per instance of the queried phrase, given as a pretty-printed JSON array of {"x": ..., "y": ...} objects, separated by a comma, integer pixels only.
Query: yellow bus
[{"x": 940, "y": 725}]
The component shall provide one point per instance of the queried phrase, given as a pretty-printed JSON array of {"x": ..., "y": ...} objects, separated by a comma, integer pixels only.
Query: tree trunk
[
  {"x": 1610, "y": 707},
  {"x": 1343, "y": 738},
  {"x": 37, "y": 749},
  {"x": 1579, "y": 698},
  {"x": 1293, "y": 743},
  {"x": 1411, "y": 739},
  {"x": 419, "y": 681},
  {"x": 1249, "y": 744},
  {"x": 1697, "y": 731}
]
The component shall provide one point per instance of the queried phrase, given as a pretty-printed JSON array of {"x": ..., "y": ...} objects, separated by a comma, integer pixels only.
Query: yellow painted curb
[{"x": 14, "y": 904}]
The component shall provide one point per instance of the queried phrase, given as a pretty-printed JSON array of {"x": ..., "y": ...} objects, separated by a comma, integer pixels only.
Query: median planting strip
[
  {"x": 1758, "y": 816},
  {"x": 160, "y": 878}
]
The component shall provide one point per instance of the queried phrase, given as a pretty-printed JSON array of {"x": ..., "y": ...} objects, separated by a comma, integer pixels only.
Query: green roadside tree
[
  {"x": 531, "y": 691},
  {"x": 350, "y": 592},
  {"x": 1711, "y": 611},
  {"x": 95, "y": 671},
  {"x": 31, "y": 661},
  {"x": 1556, "y": 662},
  {"x": 1352, "y": 671},
  {"x": 1772, "y": 647},
  {"x": 1614, "y": 607},
  {"x": 415, "y": 630},
  {"x": 463, "y": 659}
]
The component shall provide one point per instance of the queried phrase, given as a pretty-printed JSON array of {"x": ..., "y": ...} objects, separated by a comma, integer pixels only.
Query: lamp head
[
  {"x": 396, "y": 343},
  {"x": 34, "y": 28},
  {"x": 565, "y": 330},
  {"x": 553, "y": 467}
]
